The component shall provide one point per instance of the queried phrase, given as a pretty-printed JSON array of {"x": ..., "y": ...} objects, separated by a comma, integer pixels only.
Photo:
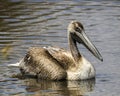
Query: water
[{"x": 26, "y": 23}]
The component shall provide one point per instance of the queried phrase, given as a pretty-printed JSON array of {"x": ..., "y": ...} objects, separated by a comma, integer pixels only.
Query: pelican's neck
[{"x": 73, "y": 48}]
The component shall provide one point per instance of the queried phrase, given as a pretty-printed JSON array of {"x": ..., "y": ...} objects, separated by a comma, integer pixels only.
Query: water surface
[{"x": 27, "y": 23}]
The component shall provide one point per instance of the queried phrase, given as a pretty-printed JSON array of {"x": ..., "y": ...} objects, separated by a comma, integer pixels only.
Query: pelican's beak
[{"x": 82, "y": 38}]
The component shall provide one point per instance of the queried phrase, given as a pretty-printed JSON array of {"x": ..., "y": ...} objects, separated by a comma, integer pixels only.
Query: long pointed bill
[{"x": 82, "y": 38}]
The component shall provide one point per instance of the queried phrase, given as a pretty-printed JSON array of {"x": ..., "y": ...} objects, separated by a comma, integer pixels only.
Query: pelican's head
[{"x": 76, "y": 30}]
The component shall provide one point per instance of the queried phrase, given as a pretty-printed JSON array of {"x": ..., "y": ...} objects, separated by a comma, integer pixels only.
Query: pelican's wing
[
  {"x": 38, "y": 61},
  {"x": 62, "y": 56}
]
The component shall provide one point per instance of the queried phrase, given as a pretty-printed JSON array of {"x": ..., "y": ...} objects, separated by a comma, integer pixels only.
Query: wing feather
[
  {"x": 64, "y": 57},
  {"x": 38, "y": 61}
]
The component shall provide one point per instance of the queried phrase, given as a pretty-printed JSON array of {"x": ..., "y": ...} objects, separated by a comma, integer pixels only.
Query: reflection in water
[{"x": 67, "y": 88}]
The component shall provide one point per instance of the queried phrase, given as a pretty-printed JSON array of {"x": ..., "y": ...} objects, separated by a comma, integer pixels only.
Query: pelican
[{"x": 54, "y": 63}]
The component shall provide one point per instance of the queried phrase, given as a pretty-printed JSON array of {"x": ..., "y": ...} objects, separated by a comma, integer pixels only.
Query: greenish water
[{"x": 26, "y": 23}]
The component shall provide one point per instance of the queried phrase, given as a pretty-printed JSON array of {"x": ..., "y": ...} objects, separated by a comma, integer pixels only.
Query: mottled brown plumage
[{"x": 38, "y": 61}]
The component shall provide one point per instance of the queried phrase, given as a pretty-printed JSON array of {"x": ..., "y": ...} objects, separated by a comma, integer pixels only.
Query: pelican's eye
[{"x": 77, "y": 29}]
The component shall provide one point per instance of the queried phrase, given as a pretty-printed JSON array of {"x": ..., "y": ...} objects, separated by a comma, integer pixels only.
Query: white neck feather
[{"x": 84, "y": 70}]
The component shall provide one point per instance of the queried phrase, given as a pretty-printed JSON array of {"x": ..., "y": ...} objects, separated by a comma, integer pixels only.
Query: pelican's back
[{"x": 39, "y": 62}]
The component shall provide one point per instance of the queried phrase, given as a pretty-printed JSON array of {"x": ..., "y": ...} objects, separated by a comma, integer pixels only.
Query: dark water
[{"x": 26, "y": 23}]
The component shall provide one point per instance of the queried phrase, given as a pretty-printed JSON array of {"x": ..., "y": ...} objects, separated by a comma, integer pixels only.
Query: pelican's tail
[{"x": 15, "y": 64}]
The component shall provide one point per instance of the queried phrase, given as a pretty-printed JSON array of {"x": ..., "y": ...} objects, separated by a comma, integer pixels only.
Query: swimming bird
[{"x": 54, "y": 63}]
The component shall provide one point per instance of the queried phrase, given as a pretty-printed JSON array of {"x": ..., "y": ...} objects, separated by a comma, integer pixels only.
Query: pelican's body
[{"x": 56, "y": 63}]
